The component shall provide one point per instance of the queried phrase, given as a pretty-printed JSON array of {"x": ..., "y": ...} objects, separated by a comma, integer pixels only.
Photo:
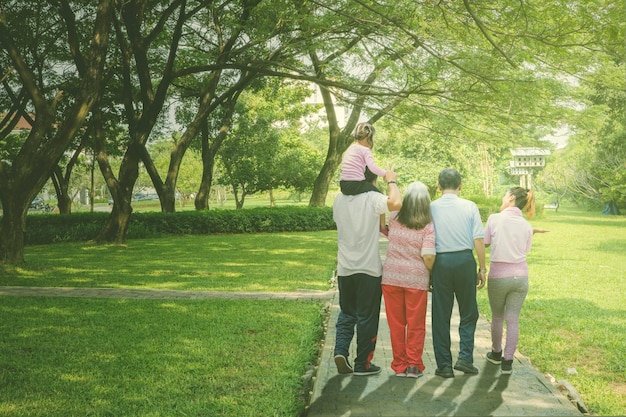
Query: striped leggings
[{"x": 506, "y": 297}]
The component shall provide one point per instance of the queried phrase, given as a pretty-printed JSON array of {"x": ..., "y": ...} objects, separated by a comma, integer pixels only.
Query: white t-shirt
[{"x": 358, "y": 227}]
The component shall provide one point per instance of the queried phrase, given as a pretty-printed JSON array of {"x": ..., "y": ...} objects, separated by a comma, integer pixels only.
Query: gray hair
[{"x": 415, "y": 211}]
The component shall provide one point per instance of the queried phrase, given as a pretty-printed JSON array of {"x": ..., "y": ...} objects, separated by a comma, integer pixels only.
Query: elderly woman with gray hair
[{"x": 406, "y": 277}]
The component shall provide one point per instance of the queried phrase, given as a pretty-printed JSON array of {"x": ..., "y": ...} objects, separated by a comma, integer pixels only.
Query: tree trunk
[
  {"x": 272, "y": 199},
  {"x": 64, "y": 203},
  {"x": 322, "y": 182},
  {"x": 338, "y": 143},
  {"x": 208, "y": 162},
  {"x": 116, "y": 227},
  {"x": 167, "y": 198},
  {"x": 61, "y": 186},
  {"x": 40, "y": 153},
  {"x": 12, "y": 227},
  {"x": 239, "y": 202},
  {"x": 209, "y": 152}
]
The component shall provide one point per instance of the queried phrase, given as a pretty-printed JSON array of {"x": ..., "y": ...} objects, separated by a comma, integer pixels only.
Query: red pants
[{"x": 406, "y": 315}]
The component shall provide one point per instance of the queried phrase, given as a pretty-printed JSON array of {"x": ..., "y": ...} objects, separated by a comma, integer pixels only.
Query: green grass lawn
[
  {"x": 102, "y": 357},
  {"x": 61, "y": 357},
  {"x": 575, "y": 315},
  {"x": 236, "y": 358},
  {"x": 258, "y": 262}
]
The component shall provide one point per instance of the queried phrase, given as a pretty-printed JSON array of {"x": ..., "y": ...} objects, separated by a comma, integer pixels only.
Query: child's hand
[{"x": 390, "y": 175}]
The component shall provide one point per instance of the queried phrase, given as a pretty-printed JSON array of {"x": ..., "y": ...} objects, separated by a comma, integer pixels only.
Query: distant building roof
[
  {"x": 529, "y": 152},
  {"x": 22, "y": 123}
]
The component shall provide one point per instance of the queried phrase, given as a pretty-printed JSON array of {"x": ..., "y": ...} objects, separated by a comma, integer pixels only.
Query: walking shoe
[
  {"x": 464, "y": 366},
  {"x": 494, "y": 357},
  {"x": 507, "y": 366},
  {"x": 445, "y": 372},
  {"x": 413, "y": 372},
  {"x": 402, "y": 374},
  {"x": 343, "y": 366},
  {"x": 369, "y": 369}
]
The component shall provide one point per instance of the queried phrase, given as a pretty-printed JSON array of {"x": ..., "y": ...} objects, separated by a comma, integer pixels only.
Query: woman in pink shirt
[
  {"x": 510, "y": 236},
  {"x": 406, "y": 276},
  {"x": 357, "y": 157}
]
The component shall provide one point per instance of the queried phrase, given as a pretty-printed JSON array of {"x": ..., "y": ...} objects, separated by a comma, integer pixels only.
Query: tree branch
[{"x": 483, "y": 29}]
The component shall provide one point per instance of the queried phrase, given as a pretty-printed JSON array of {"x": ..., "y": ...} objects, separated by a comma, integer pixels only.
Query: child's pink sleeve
[{"x": 369, "y": 162}]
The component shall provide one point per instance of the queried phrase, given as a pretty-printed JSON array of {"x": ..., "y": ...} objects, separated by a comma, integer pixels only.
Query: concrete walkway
[
  {"x": 524, "y": 393},
  {"x": 304, "y": 295}
]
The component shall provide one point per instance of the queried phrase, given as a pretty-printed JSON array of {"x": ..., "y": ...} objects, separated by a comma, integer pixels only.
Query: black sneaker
[
  {"x": 494, "y": 357},
  {"x": 343, "y": 366},
  {"x": 368, "y": 369},
  {"x": 445, "y": 372},
  {"x": 465, "y": 366},
  {"x": 507, "y": 366}
]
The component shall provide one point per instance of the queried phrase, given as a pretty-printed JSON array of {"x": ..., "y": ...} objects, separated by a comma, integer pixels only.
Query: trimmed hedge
[{"x": 49, "y": 228}]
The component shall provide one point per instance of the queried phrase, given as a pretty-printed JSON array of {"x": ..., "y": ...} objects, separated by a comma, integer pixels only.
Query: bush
[
  {"x": 49, "y": 228},
  {"x": 486, "y": 205}
]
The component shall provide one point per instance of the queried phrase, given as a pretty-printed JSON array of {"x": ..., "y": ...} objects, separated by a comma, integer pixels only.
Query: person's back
[
  {"x": 454, "y": 218},
  {"x": 458, "y": 232},
  {"x": 358, "y": 218},
  {"x": 406, "y": 276},
  {"x": 359, "y": 270},
  {"x": 510, "y": 236},
  {"x": 513, "y": 239},
  {"x": 356, "y": 159}
]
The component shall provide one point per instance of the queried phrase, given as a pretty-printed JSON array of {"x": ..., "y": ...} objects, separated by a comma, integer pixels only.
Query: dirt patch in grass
[{"x": 618, "y": 387}]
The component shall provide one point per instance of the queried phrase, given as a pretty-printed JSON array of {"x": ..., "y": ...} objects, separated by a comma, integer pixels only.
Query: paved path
[
  {"x": 524, "y": 393},
  {"x": 304, "y": 295}
]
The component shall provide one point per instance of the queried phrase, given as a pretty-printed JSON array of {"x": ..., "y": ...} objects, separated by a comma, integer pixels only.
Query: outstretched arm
[{"x": 394, "y": 198}]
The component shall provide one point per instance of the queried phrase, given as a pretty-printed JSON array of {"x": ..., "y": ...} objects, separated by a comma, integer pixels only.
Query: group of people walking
[{"x": 437, "y": 246}]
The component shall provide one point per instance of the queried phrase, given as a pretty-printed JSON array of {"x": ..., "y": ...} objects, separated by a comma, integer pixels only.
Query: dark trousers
[
  {"x": 454, "y": 274},
  {"x": 357, "y": 187},
  {"x": 359, "y": 299}
]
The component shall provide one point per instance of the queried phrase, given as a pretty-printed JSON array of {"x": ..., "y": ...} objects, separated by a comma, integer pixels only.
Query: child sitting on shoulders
[{"x": 357, "y": 157}]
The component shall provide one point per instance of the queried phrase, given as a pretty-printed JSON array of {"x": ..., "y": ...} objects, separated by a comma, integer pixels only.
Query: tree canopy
[{"x": 458, "y": 78}]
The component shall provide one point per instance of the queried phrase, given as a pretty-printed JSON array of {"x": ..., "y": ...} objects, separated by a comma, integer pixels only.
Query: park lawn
[
  {"x": 237, "y": 262},
  {"x": 123, "y": 357},
  {"x": 575, "y": 315}
]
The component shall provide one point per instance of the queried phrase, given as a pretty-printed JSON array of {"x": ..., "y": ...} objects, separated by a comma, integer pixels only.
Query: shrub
[
  {"x": 49, "y": 228},
  {"x": 486, "y": 205}
]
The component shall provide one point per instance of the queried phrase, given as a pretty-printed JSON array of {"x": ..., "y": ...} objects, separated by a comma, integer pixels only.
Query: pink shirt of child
[
  {"x": 355, "y": 159},
  {"x": 404, "y": 265}
]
